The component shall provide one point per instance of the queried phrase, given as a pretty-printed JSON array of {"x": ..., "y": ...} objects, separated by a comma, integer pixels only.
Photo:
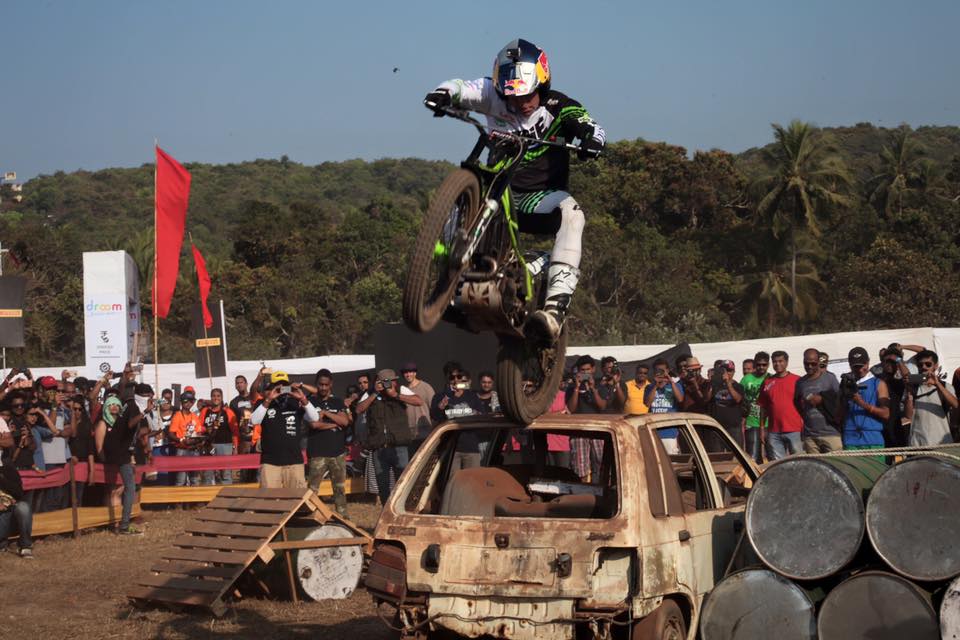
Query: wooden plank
[
  {"x": 317, "y": 544},
  {"x": 239, "y": 517},
  {"x": 174, "y": 596},
  {"x": 197, "y": 570},
  {"x": 227, "y": 529},
  {"x": 61, "y": 521},
  {"x": 218, "y": 542},
  {"x": 240, "y": 492},
  {"x": 254, "y": 504},
  {"x": 289, "y": 560},
  {"x": 207, "y": 555},
  {"x": 186, "y": 584},
  {"x": 266, "y": 554}
]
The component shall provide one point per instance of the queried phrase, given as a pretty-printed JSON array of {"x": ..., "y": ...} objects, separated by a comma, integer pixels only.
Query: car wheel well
[{"x": 686, "y": 608}]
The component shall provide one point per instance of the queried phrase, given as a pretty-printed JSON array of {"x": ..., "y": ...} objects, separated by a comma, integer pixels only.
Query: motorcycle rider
[{"x": 518, "y": 99}]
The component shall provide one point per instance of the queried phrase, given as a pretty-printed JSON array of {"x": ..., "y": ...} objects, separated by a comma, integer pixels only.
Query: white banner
[{"x": 111, "y": 309}]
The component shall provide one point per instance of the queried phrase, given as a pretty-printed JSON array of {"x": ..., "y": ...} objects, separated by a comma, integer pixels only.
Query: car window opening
[{"x": 518, "y": 473}]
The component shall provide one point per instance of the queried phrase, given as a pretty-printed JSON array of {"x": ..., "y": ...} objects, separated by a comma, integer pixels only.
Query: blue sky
[{"x": 91, "y": 84}]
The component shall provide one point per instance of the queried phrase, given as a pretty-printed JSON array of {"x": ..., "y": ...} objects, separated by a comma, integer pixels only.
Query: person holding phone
[
  {"x": 929, "y": 404},
  {"x": 278, "y": 424}
]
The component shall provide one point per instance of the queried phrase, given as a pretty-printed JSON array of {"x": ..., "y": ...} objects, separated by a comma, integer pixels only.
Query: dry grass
[{"x": 75, "y": 588}]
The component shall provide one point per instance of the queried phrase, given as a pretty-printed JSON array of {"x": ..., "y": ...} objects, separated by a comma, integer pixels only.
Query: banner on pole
[
  {"x": 210, "y": 342},
  {"x": 11, "y": 310},
  {"x": 111, "y": 310}
]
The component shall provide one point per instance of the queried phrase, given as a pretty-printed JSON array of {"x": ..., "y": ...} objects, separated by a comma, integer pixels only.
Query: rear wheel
[
  {"x": 435, "y": 263},
  {"x": 528, "y": 376},
  {"x": 665, "y": 623}
]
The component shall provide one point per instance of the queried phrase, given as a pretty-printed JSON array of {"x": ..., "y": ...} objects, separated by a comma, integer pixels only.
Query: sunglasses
[
  {"x": 808, "y": 363},
  {"x": 457, "y": 376},
  {"x": 18, "y": 405},
  {"x": 927, "y": 365}
]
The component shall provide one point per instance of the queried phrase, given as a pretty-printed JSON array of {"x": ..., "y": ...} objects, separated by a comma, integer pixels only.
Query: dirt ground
[{"x": 75, "y": 588}]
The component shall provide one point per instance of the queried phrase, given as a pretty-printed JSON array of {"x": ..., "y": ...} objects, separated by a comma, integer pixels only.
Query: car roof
[{"x": 580, "y": 421}]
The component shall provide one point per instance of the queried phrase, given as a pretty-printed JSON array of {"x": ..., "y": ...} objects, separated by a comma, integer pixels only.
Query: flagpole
[{"x": 156, "y": 318}]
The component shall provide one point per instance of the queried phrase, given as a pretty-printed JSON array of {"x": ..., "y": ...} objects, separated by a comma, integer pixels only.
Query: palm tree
[
  {"x": 807, "y": 180},
  {"x": 901, "y": 165},
  {"x": 767, "y": 291}
]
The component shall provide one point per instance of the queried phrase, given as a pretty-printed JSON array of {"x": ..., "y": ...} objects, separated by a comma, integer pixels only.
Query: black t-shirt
[
  {"x": 243, "y": 407},
  {"x": 326, "y": 443},
  {"x": 218, "y": 423},
  {"x": 25, "y": 457},
  {"x": 586, "y": 403},
  {"x": 725, "y": 411},
  {"x": 468, "y": 404},
  {"x": 280, "y": 433},
  {"x": 119, "y": 437},
  {"x": 609, "y": 393},
  {"x": 82, "y": 443}
]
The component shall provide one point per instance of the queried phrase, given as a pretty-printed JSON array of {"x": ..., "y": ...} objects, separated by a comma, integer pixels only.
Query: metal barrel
[
  {"x": 805, "y": 515},
  {"x": 950, "y": 612},
  {"x": 913, "y": 516},
  {"x": 758, "y": 603},
  {"x": 880, "y": 606}
]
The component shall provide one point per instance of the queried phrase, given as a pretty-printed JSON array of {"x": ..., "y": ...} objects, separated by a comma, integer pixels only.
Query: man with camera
[
  {"x": 187, "y": 436},
  {"x": 584, "y": 396},
  {"x": 864, "y": 405},
  {"x": 388, "y": 429},
  {"x": 817, "y": 395},
  {"x": 928, "y": 403},
  {"x": 612, "y": 389},
  {"x": 696, "y": 388},
  {"x": 665, "y": 395},
  {"x": 778, "y": 401},
  {"x": 726, "y": 394},
  {"x": 277, "y": 426}
]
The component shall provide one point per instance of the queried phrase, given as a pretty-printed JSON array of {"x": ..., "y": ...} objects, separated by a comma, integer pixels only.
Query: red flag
[
  {"x": 204, "y": 279},
  {"x": 172, "y": 195}
]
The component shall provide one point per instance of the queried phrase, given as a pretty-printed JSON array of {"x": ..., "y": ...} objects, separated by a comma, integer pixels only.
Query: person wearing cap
[
  {"x": 928, "y": 405},
  {"x": 418, "y": 416},
  {"x": 696, "y": 388},
  {"x": 778, "y": 401},
  {"x": 726, "y": 394},
  {"x": 817, "y": 394},
  {"x": 864, "y": 412},
  {"x": 278, "y": 428},
  {"x": 187, "y": 435},
  {"x": 611, "y": 388},
  {"x": 388, "y": 430}
]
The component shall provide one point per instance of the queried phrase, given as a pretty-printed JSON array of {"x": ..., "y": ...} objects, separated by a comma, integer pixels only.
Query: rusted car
[{"x": 490, "y": 532}]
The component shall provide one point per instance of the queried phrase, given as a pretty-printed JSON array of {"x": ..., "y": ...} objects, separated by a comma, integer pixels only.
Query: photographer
[
  {"x": 665, "y": 396},
  {"x": 584, "y": 397},
  {"x": 388, "y": 431},
  {"x": 696, "y": 388},
  {"x": 896, "y": 373},
  {"x": 928, "y": 404},
  {"x": 277, "y": 426},
  {"x": 187, "y": 435},
  {"x": 726, "y": 394},
  {"x": 612, "y": 389},
  {"x": 865, "y": 404},
  {"x": 817, "y": 395}
]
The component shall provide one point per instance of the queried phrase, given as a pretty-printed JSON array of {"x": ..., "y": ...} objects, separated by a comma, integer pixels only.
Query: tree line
[{"x": 821, "y": 230}]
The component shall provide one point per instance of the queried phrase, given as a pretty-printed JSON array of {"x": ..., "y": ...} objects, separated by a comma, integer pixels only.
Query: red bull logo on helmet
[
  {"x": 514, "y": 86},
  {"x": 543, "y": 67}
]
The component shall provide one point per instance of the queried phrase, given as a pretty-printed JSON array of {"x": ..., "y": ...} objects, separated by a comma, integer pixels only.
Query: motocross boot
[{"x": 561, "y": 283}]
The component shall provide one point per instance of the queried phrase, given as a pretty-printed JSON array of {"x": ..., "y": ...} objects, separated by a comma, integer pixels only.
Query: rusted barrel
[
  {"x": 880, "y": 606},
  {"x": 950, "y": 612},
  {"x": 805, "y": 515},
  {"x": 913, "y": 517},
  {"x": 757, "y": 603}
]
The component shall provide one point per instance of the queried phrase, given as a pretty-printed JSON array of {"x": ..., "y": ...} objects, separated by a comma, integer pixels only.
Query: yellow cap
[{"x": 279, "y": 376}]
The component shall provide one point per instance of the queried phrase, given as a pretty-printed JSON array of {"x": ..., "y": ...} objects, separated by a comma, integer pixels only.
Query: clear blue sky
[{"x": 91, "y": 84}]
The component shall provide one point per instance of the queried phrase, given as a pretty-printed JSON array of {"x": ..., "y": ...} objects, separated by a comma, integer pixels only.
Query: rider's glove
[
  {"x": 589, "y": 148},
  {"x": 437, "y": 99}
]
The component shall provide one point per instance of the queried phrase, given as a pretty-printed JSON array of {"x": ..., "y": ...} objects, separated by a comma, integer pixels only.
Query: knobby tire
[
  {"x": 513, "y": 355},
  {"x": 424, "y": 302}
]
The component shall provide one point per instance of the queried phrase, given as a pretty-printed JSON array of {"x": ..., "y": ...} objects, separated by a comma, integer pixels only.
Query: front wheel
[
  {"x": 435, "y": 265},
  {"x": 528, "y": 376}
]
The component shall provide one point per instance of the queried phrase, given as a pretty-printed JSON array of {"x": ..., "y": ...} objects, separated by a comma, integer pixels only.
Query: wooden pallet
[{"x": 226, "y": 537}]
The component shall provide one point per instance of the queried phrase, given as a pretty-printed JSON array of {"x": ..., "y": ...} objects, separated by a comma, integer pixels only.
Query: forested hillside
[{"x": 822, "y": 230}]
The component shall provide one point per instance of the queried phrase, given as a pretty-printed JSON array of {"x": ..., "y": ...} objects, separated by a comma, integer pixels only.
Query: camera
[
  {"x": 285, "y": 388},
  {"x": 849, "y": 386},
  {"x": 583, "y": 376},
  {"x": 462, "y": 386}
]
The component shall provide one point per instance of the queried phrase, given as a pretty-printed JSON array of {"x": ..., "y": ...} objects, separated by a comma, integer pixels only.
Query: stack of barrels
[{"x": 851, "y": 548}]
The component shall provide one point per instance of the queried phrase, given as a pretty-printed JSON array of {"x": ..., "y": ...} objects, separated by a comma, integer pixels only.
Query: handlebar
[{"x": 494, "y": 134}]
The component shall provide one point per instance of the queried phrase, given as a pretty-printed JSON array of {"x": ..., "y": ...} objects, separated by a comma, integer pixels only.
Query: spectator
[
  {"x": 242, "y": 406},
  {"x": 778, "y": 400},
  {"x": 222, "y": 432},
  {"x": 388, "y": 432},
  {"x": 817, "y": 393},
  {"x": 277, "y": 426},
  {"x": 611, "y": 388},
  {"x": 754, "y": 421},
  {"x": 19, "y": 453},
  {"x": 696, "y": 388},
  {"x": 894, "y": 372},
  {"x": 326, "y": 441},
  {"x": 113, "y": 435},
  {"x": 665, "y": 395},
  {"x": 635, "y": 391},
  {"x": 457, "y": 399},
  {"x": 929, "y": 404},
  {"x": 187, "y": 435},
  {"x": 14, "y": 503},
  {"x": 865, "y": 405},
  {"x": 584, "y": 397},
  {"x": 747, "y": 366},
  {"x": 725, "y": 397},
  {"x": 83, "y": 447},
  {"x": 488, "y": 394},
  {"x": 418, "y": 416},
  {"x": 167, "y": 394}
]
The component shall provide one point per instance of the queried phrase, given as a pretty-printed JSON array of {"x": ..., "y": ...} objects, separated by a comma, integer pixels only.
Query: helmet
[{"x": 520, "y": 69}]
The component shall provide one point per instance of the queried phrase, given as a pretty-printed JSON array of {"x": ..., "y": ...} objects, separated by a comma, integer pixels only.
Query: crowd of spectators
[{"x": 306, "y": 432}]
